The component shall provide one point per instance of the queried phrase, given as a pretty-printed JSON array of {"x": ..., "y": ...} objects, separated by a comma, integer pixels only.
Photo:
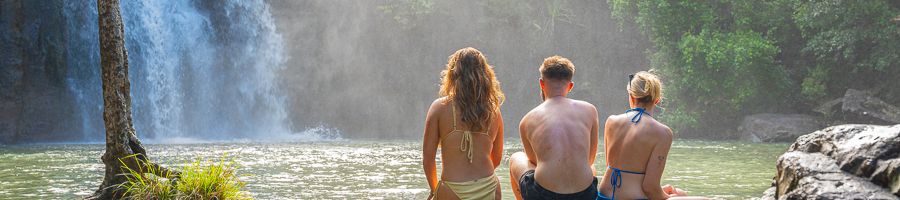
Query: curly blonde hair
[{"x": 469, "y": 82}]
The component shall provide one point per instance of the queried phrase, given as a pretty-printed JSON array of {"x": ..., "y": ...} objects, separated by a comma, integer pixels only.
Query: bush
[
  {"x": 199, "y": 180},
  {"x": 728, "y": 58}
]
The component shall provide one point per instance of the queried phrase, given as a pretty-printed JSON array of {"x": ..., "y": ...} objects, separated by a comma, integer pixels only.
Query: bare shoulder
[
  {"x": 616, "y": 119},
  {"x": 438, "y": 105},
  {"x": 584, "y": 104},
  {"x": 588, "y": 108},
  {"x": 528, "y": 116},
  {"x": 664, "y": 132}
]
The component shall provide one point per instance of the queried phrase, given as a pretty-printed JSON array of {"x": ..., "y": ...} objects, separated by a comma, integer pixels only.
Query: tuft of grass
[
  {"x": 146, "y": 185},
  {"x": 200, "y": 180},
  {"x": 214, "y": 181}
]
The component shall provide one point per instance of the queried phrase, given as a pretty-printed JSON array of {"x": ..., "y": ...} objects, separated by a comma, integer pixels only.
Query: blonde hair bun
[{"x": 645, "y": 87}]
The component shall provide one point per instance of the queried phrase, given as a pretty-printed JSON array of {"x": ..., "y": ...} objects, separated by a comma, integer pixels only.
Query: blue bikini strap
[
  {"x": 616, "y": 179},
  {"x": 640, "y": 114}
]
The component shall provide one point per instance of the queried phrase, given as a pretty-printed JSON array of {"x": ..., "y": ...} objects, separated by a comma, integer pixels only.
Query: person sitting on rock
[
  {"x": 559, "y": 138},
  {"x": 637, "y": 146},
  {"x": 466, "y": 123}
]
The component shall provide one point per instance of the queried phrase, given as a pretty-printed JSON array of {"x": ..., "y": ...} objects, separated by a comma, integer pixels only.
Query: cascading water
[{"x": 198, "y": 69}]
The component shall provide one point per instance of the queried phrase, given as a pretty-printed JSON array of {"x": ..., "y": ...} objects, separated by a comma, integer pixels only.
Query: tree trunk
[{"x": 121, "y": 140}]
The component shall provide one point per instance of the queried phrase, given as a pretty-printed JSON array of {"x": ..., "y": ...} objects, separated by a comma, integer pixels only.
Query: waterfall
[{"x": 199, "y": 69}]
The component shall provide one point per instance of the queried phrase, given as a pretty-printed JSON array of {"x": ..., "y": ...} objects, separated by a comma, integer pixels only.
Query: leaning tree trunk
[{"x": 121, "y": 141}]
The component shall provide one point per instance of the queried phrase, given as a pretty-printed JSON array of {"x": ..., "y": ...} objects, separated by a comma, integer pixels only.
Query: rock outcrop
[
  {"x": 841, "y": 162},
  {"x": 860, "y": 107},
  {"x": 777, "y": 127},
  {"x": 35, "y": 104}
]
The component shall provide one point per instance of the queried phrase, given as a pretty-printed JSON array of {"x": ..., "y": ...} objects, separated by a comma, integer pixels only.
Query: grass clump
[{"x": 198, "y": 180}]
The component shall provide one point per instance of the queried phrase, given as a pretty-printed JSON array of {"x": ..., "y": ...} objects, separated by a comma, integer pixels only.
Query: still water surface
[{"x": 352, "y": 169}]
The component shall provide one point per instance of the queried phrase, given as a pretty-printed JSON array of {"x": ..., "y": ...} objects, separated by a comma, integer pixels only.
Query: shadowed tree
[{"x": 121, "y": 140}]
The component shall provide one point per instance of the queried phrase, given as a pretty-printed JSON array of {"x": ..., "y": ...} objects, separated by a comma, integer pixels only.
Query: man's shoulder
[
  {"x": 585, "y": 107},
  {"x": 584, "y": 104}
]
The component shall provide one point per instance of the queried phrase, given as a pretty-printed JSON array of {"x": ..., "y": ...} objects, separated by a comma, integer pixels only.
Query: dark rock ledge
[{"x": 841, "y": 162}]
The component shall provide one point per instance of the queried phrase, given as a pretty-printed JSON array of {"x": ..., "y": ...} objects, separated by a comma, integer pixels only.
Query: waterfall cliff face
[
  {"x": 198, "y": 69},
  {"x": 205, "y": 70},
  {"x": 210, "y": 70}
]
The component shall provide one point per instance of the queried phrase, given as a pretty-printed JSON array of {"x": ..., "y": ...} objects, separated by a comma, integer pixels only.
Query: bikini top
[
  {"x": 466, "y": 144},
  {"x": 641, "y": 112},
  {"x": 616, "y": 176}
]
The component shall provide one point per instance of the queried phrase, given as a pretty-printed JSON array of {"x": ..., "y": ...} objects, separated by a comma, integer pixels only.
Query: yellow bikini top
[{"x": 466, "y": 144}]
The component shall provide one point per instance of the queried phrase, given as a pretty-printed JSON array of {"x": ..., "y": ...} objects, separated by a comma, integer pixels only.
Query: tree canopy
[{"x": 723, "y": 59}]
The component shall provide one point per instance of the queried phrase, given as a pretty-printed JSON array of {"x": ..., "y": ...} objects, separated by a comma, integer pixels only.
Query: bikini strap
[
  {"x": 616, "y": 178},
  {"x": 466, "y": 144},
  {"x": 641, "y": 112},
  {"x": 453, "y": 110}
]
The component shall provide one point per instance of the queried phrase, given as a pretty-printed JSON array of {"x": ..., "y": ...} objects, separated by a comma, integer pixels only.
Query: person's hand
[{"x": 672, "y": 191}]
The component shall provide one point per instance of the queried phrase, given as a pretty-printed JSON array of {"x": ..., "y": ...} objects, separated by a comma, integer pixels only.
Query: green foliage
[
  {"x": 199, "y": 180},
  {"x": 213, "y": 181},
  {"x": 727, "y": 58},
  {"x": 855, "y": 41},
  {"x": 854, "y": 33},
  {"x": 727, "y": 69},
  {"x": 146, "y": 185},
  {"x": 813, "y": 86},
  {"x": 716, "y": 65}
]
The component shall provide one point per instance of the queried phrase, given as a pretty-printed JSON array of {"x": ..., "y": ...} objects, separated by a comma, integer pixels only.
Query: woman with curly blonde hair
[{"x": 466, "y": 121}]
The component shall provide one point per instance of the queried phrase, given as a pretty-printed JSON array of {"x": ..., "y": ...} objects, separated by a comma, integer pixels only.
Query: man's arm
[
  {"x": 524, "y": 133},
  {"x": 595, "y": 128}
]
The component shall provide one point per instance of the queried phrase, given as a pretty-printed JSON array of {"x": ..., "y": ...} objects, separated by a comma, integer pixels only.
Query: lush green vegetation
[
  {"x": 723, "y": 59},
  {"x": 198, "y": 180}
]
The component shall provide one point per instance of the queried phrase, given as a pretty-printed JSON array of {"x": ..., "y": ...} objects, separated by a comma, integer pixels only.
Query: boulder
[
  {"x": 867, "y": 106},
  {"x": 841, "y": 162},
  {"x": 769, "y": 194},
  {"x": 860, "y": 107},
  {"x": 777, "y": 127}
]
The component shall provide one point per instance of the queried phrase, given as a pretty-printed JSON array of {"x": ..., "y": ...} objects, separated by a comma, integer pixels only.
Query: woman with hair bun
[{"x": 637, "y": 146}]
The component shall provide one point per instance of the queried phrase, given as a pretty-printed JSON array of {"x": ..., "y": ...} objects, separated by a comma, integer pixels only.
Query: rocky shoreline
[{"x": 840, "y": 162}]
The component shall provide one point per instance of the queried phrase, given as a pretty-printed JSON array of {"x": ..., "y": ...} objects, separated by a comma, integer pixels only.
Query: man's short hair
[{"x": 557, "y": 68}]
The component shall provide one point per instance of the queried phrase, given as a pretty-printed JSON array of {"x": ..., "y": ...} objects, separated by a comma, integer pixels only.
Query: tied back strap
[
  {"x": 616, "y": 179},
  {"x": 639, "y": 115},
  {"x": 466, "y": 144}
]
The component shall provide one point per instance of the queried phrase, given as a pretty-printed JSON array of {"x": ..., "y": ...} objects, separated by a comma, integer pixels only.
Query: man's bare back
[{"x": 560, "y": 138}]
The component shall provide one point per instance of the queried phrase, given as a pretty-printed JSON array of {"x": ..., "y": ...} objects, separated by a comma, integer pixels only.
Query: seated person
[
  {"x": 637, "y": 146},
  {"x": 465, "y": 121},
  {"x": 560, "y": 141}
]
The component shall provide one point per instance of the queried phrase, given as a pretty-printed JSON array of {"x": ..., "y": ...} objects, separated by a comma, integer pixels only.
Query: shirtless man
[{"x": 560, "y": 141}]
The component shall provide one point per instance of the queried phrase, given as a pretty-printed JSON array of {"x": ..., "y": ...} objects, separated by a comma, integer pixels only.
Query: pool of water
[{"x": 353, "y": 169}]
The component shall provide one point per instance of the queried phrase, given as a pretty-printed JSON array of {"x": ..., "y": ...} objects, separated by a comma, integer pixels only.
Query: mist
[{"x": 372, "y": 68}]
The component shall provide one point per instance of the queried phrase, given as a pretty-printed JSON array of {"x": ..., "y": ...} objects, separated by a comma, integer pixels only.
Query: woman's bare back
[
  {"x": 454, "y": 161},
  {"x": 630, "y": 147}
]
